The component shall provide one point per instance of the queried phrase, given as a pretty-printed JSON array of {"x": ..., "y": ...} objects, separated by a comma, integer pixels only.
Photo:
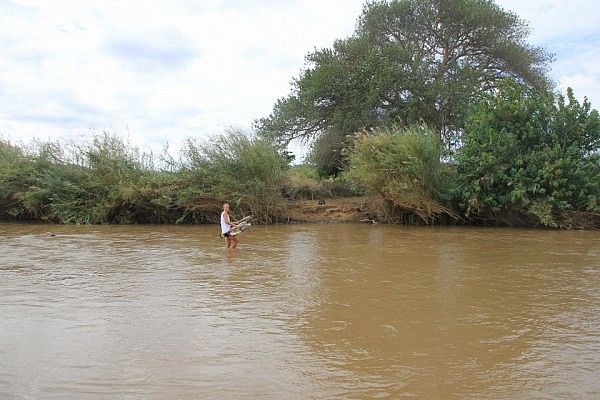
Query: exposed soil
[{"x": 334, "y": 210}]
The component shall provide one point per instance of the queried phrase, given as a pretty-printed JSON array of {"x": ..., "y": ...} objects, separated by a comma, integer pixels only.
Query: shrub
[
  {"x": 403, "y": 166},
  {"x": 110, "y": 181},
  {"x": 530, "y": 157},
  {"x": 244, "y": 170}
]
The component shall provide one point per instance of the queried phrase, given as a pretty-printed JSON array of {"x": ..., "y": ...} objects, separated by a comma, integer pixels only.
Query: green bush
[
  {"x": 95, "y": 183},
  {"x": 530, "y": 157},
  {"x": 404, "y": 167},
  {"x": 244, "y": 170},
  {"x": 110, "y": 181}
]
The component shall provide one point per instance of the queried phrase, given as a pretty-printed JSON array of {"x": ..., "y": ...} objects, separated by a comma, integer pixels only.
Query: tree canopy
[{"x": 409, "y": 61}]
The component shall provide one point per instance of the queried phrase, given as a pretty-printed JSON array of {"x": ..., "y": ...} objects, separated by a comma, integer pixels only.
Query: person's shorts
[{"x": 227, "y": 234}]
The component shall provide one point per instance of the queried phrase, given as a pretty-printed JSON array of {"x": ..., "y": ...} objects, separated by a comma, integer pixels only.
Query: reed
[
  {"x": 403, "y": 165},
  {"x": 243, "y": 170},
  {"x": 109, "y": 181}
]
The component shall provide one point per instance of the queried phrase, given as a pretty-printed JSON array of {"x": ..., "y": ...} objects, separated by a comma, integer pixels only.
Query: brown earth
[{"x": 334, "y": 210}]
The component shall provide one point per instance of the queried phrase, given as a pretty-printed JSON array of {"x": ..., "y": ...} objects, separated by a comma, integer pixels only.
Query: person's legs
[
  {"x": 227, "y": 240},
  {"x": 234, "y": 242}
]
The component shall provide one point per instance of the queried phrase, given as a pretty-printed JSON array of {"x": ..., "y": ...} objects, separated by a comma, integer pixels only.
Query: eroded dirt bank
[{"x": 347, "y": 209}]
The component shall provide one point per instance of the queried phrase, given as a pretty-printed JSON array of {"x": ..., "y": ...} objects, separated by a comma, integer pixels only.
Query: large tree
[{"x": 408, "y": 61}]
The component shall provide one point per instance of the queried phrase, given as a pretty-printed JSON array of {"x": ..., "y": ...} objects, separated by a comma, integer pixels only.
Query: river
[{"x": 298, "y": 312}]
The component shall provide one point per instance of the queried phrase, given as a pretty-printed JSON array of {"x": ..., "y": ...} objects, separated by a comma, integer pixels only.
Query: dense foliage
[
  {"x": 531, "y": 157},
  {"x": 404, "y": 167},
  {"x": 409, "y": 61},
  {"x": 246, "y": 170},
  {"x": 101, "y": 182},
  {"x": 109, "y": 181}
]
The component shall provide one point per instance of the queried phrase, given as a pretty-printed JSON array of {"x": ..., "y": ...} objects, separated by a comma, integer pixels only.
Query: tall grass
[
  {"x": 245, "y": 171},
  {"x": 110, "y": 181},
  {"x": 403, "y": 165}
]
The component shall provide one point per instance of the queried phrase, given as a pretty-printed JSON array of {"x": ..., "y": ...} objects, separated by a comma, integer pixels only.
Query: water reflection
[{"x": 309, "y": 311}]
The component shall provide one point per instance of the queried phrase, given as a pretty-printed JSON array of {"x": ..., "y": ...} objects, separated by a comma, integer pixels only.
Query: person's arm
[{"x": 229, "y": 222}]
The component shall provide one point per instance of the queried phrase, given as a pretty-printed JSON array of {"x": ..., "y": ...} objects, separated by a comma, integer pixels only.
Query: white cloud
[
  {"x": 162, "y": 70},
  {"x": 556, "y": 19},
  {"x": 571, "y": 31},
  {"x": 165, "y": 70}
]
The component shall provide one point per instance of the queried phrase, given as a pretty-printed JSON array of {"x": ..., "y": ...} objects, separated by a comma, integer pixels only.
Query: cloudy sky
[{"x": 160, "y": 71}]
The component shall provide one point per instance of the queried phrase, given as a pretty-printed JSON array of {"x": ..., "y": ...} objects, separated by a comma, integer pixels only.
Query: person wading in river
[{"x": 231, "y": 242}]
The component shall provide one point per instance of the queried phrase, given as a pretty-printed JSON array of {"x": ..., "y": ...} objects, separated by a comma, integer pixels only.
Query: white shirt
[{"x": 225, "y": 227}]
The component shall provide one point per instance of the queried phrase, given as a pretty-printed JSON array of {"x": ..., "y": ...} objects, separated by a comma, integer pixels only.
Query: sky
[{"x": 157, "y": 72}]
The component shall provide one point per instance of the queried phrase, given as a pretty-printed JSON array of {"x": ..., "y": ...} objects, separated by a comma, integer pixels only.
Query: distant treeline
[{"x": 527, "y": 158}]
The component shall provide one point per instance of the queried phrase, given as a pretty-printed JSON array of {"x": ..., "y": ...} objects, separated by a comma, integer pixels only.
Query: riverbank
[
  {"x": 109, "y": 182},
  {"x": 372, "y": 209},
  {"x": 334, "y": 210},
  {"x": 328, "y": 210}
]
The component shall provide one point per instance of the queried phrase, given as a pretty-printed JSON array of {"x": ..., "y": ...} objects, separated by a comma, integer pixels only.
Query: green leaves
[
  {"x": 531, "y": 154},
  {"x": 109, "y": 181},
  {"x": 409, "y": 62},
  {"x": 403, "y": 165},
  {"x": 244, "y": 170}
]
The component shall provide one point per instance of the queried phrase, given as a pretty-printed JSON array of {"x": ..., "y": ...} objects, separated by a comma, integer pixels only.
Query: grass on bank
[{"x": 109, "y": 181}]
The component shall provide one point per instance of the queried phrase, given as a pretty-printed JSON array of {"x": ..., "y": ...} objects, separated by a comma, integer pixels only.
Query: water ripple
[{"x": 309, "y": 311}]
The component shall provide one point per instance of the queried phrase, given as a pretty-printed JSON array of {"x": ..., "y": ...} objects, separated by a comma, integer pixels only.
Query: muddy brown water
[{"x": 298, "y": 312}]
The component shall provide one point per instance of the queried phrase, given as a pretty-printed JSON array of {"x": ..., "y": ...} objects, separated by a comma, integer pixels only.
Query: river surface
[{"x": 298, "y": 312}]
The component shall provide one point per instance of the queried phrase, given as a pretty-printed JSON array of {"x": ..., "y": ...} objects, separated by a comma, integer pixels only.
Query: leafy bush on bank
[
  {"x": 246, "y": 171},
  {"x": 531, "y": 158}
]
